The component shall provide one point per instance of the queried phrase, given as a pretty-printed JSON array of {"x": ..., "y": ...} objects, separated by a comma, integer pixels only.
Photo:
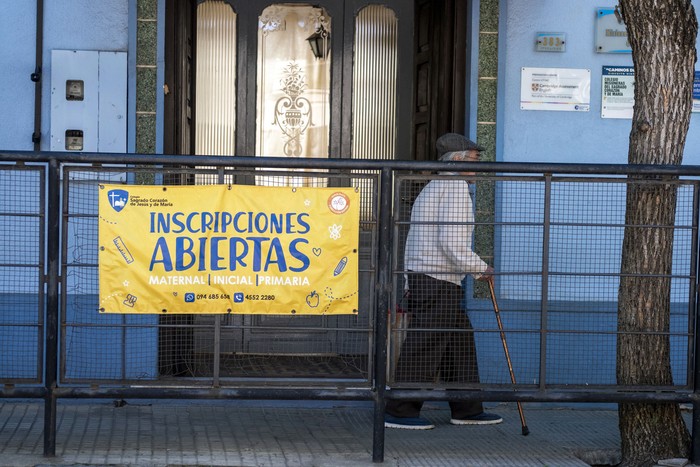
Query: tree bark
[{"x": 662, "y": 34}]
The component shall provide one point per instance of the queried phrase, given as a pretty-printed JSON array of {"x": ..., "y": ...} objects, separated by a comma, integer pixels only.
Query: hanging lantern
[{"x": 320, "y": 42}]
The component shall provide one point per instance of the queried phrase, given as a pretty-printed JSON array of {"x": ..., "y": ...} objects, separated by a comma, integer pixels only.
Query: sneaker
[
  {"x": 407, "y": 423},
  {"x": 483, "y": 418}
]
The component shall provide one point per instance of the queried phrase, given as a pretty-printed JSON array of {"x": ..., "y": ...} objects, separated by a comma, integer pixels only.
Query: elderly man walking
[{"x": 438, "y": 256}]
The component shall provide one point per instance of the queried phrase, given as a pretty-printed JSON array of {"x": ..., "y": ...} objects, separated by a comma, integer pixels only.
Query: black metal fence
[{"x": 553, "y": 232}]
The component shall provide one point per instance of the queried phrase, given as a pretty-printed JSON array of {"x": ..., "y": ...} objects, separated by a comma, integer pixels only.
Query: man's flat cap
[{"x": 451, "y": 142}]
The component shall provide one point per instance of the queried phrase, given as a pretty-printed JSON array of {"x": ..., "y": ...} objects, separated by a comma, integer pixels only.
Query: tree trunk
[{"x": 662, "y": 34}]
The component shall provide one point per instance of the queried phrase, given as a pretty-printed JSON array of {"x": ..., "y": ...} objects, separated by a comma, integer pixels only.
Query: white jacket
[{"x": 439, "y": 242}]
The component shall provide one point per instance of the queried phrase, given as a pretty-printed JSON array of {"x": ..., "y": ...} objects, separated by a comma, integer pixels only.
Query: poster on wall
[
  {"x": 617, "y": 89},
  {"x": 696, "y": 92},
  {"x": 245, "y": 250},
  {"x": 564, "y": 89}
]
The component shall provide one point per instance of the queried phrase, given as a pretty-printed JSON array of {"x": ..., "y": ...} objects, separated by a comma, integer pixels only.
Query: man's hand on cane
[{"x": 487, "y": 275}]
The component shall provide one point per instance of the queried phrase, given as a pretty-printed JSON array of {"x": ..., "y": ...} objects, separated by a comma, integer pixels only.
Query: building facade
[
  {"x": 530, "y": 81},
  {"x": 441, "y": 66}
]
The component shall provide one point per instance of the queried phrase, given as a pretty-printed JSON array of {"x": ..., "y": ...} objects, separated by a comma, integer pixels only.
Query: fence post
[
  {"x": 695, "y": 269},
  {"x": 51, "y": 330},
  {"x": 544, "y": 303},
  {"x": 383, "y": 290}
]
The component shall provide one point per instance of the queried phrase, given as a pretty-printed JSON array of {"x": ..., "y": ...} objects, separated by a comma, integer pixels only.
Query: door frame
[{"x": 343, "y": 14}]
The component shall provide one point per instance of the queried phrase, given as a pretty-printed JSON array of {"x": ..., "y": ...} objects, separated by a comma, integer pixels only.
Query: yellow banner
[{"x": 228, "y": 249}]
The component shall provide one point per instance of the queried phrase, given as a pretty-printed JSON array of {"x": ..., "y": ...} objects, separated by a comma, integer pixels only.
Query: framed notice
[
  {"x": 617, "y": 91},
  {"x": 563, "y": 89}
]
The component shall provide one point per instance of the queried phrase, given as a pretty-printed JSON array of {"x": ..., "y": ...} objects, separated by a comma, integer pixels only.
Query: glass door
[
  {"x": 295, "y": 79},
  {"x": 293, "y": 86}
]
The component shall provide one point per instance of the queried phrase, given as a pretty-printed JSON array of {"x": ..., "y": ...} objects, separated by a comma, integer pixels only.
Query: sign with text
[
  {"x": 550, "y": 42},
  {"x": 567, "y": 89},
  {"x": 611, "y": 32},
  {"x": 617, "y": 92},
  {"x": 228, "y": 249}
]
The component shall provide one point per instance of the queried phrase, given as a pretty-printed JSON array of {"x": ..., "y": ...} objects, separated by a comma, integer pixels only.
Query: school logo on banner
[
  {"x": 118, "y": 199},
  {"x": 228, "y": 249}
]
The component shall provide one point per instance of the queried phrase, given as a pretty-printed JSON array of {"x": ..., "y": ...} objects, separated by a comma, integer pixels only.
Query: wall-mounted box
[
  {"x": 75, "y": 90},
  {"x": 74, "y": 140},
  {"x": 88, "y": 101}
]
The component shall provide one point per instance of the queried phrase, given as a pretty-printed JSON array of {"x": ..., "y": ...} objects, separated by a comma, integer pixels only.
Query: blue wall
[
  {"x": 17, "y": 33},
  {"x": 68, "y": 24},
  {"x": 562, "y": 136},
  {"x": 554, "y": 136}
]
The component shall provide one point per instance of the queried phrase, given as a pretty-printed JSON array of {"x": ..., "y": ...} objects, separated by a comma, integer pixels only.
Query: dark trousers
[{"x": 428, "y": 356}]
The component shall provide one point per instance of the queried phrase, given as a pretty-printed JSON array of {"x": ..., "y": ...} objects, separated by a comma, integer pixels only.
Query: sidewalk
[{"x": 292, "y": 433}]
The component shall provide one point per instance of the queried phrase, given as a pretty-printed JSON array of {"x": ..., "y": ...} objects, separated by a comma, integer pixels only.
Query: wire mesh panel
[
  {"x": 588, "y": 226},
  {"x": 557, "y": 247},
  {"x": 561, "y": 284},
  {"x": 96, "y": 347},
  {"x": 201, "y": 349},
  {"x": 21, "y": 271}
]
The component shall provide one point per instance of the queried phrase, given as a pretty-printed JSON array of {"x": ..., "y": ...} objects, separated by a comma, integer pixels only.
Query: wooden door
[{"x": 439, "y": 72}]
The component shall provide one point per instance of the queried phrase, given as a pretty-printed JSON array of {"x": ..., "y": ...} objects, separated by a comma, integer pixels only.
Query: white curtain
[
  {"x": 215, "y": 103},
  {"x": 215, "y": 132}
]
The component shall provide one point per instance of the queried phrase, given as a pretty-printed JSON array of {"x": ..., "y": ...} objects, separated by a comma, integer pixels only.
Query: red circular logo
[{"x": 338, "y": 202}]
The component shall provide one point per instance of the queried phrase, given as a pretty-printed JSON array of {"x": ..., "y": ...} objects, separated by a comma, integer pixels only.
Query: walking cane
[{"x": 526, "y": 430}]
